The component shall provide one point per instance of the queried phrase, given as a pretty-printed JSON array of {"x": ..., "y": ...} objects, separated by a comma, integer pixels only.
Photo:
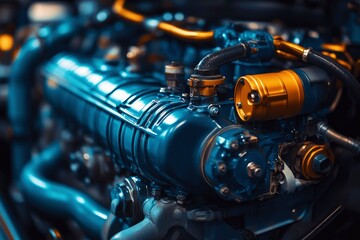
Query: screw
[
  {"x": 221, "y": 168},
  {"x": 321, "y": 164},
  {"x": 213, "y": 110},
  {"x": 254, "y": 171},
  {"x": 239, "y": 105},
  {"x": 242, "y": 81},
  {"x": 224, "y": 190},
  {"x": 234, "y": 145},
  {"x": 254, "y": 97}
]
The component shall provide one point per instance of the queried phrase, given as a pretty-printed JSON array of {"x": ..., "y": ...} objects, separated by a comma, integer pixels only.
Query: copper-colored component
[
  {"x": 6, "y": 42},
  {"x": 269, "y": 96},
  {"x": 171, "y": 29},
  {"x": 288, "y": 47},
  {"x": 186, "y": 34},
  {"x": 340, "y": 47},
  {"x": 204, "y": 87},
  {"x": 292, "y": 51},
  {"x": 285, "y": 55},
  {"x": 308, "y": 153},
  {"x": 119, "y": 9}
]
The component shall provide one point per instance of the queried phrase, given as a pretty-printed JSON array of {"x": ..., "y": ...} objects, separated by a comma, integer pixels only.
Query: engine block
[{"x": 123, "y": 126}]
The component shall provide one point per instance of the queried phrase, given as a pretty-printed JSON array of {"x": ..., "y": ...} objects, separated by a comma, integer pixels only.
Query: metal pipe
[
  {"x": 20, "y": 102},
  {"x": 347, "y": 142},
  {"x": 168, "y": 28},
  {"x": 333, "y": 66},
  {"x": 8, "y": 227},
  {"x": 56, "y": 199}
]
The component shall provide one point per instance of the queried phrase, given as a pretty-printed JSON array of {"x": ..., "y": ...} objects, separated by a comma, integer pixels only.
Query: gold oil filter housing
[{"x": 281, "y": 94}]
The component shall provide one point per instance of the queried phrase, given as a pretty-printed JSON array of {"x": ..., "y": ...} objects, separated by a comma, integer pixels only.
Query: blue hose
[{"x": 58, "y": 200}]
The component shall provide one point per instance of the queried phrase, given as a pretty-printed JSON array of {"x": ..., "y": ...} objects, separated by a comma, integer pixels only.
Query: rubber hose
[
  {"x": 328, "y": 64},
  {"x": 213, "y": 61}
]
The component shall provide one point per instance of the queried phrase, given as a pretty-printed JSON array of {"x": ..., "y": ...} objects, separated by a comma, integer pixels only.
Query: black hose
[
  {"x": 330, "y": 65},
  {"x": 213, "y": 61},
  {"x": 347, "y": 142}
]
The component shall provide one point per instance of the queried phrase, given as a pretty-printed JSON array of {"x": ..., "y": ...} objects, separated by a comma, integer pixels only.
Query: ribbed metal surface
[{"x": 157, "y": 136}]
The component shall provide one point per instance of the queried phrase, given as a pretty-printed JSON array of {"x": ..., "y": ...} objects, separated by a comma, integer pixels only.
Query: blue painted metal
[
  {"x": 228, "y": 158},
  {"x": 56, "y": 199},
  {"x": 257, "y": 63},
  {"x": 261, "y": 40},
  {"x": 46, "y": 43},
  {"x": 9, "y": 228},
  {"x": 115, "y": 109},
  {"x": 168, "y": 137},
  {"x": 317, "y": 85}
]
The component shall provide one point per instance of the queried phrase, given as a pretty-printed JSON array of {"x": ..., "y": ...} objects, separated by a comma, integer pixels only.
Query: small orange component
[
  {"x": 269, "y": 96},
  {"x": 6, "y": 42},
  {"x": 204, "y": 87},
  {"x": 308, "y": 154}
]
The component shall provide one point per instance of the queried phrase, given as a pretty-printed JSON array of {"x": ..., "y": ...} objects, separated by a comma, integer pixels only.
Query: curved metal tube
[
  {"x": 56, "y": 199},
  {"x": 171, "y": 29},
  {"x": 347, "y": 142},
  {"x": 22, "y": 78},
  {"x": 145, "y": 230},
  {"x": 333, "y": 66}
]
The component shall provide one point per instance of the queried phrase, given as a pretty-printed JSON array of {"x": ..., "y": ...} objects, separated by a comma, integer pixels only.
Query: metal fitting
[
  {"x": 322, "y": 164},
  {"x": 224, "y": 190},
  {"x": 254, "y": 171},
  {"x": 213, "y": 110}
]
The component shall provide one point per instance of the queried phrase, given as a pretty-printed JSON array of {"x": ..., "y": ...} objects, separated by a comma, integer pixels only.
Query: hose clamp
[{"x": 305, "y": 54}]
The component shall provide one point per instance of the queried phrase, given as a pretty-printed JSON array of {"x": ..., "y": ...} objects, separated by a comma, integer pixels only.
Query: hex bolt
[
  {"x": 221, "y": 168},
  {"x": 234, "y": 145},
  {"x": 213, "y": 110},
  {"x": 242, "y": 81},
  {"x": 254, "y": 170},
  {"x": 321, "y": 164},
  {"x": 224, "y": 190},
  {"x": 254, "y": 97}
]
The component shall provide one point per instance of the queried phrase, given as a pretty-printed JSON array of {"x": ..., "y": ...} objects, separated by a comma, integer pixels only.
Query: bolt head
[
  {"x": 242, "y": 81},
  {"x": 254, "y": 97},
  {"x": 254, "y": 170},
  {"x": 257, "y": 172},
  {"x": 321, "y": 164},
  {"x": 224, "y": 190},
  {"x": 234, "y": 145},
  {"x": 221, "y": 168},
  {"x": 214, "y": 111}
]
